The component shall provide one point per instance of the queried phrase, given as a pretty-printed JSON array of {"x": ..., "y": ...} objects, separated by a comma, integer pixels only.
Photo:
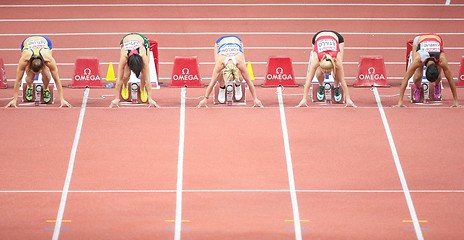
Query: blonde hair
[
  {"x": 327, "y": 62},
  {"x": 231, "y": 73}
]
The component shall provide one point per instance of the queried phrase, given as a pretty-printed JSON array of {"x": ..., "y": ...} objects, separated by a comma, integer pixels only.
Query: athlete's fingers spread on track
[
  {"x": 257, "y": 103},
  {"x": 12, "y": 103},
  {"x": 65, "y": 103},
  {"x": 350, "y": 104},
  {"x": 114, "y": 103},
  {"x": 202, "y": 103},
  {"x": 302, "y": 102},
  {"x": 152, "y": 103}
]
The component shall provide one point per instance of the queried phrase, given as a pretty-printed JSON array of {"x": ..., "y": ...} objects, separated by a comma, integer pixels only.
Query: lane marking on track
[
  {"x": 410, "y": 221},
  {"x": 225, "y": 19},
  {"x": 173, "y": 221},
  {"x": 291, "y": 220},
  {"x": 288, "y": 157},
  {"x": 54, "y": 221},
  {"x": 233, "y": 191},
  {"x": 399, "y": 169},
  {"x": 229, "y": 5},
  {"x": 180, "y": 166},
  {"x": 67, "y": 182}
]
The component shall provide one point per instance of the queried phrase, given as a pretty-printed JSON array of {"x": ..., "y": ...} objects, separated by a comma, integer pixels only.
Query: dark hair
[
  {"x": 36, "y": 63},
  {"x": 431, "y": 73},
  {"x": 135, "y": 63}
]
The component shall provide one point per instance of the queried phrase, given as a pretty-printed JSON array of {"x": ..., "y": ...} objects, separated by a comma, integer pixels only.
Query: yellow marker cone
[
  {"x": 110, "y": 74},
  {"x": 250, "y": 71}
]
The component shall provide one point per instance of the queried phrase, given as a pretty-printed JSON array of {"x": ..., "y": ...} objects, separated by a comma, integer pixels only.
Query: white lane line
[
  {"x": 180, "y": 166},
  {"x": 399, "y": 169},
  {"x": 225, "y": 19},
  {"x": 67, "y": 182},
  {"x": 224, "y": 5},
  {"x": 288, "y": 157},
  {"x": 448, "y": 2},
  {"x": 236, "y": 191}
]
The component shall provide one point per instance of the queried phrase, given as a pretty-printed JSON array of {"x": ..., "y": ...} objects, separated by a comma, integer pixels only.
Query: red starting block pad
[
  {"x": 460, "y": 82},
  {"x": 86, "y": 73},
  {"x": 154, "y": 51},
  {"x": 185, "y": 72},
  {"x": 37, "y": 96},
  {"x": 328, "y": 90},
  {"x": 3, "y": 83},
  {"x": 230, "y": 94},
  {"x": 371, "y": 72},
  {"x": 279, "y": 73}
]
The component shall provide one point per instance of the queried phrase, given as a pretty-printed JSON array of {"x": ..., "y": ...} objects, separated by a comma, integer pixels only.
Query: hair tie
[{"x": 132, "y": 52}]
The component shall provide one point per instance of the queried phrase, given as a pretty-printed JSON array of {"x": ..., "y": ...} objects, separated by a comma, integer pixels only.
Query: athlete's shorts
[
  {"x": 146, "y": 42},
  {"x": 340, "y": 37},
  {"x": 49, "y": 43}
]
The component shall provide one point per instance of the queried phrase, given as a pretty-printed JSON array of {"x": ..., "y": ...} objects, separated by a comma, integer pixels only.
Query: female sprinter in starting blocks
[
  {"x": 327, "y": 57},
  {"x": 427, "y": 50},
  {"x": 229, "y": 66},
  {"x": 36, "y": 58},
  {"x": 134, "y": 57}
]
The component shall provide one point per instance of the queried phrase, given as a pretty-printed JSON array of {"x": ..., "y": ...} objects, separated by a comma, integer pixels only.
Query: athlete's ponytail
[
  {"x": 327, "y": 62},
  {"x": 135, "y": 63},
  {"x": 231, "y": 73}
]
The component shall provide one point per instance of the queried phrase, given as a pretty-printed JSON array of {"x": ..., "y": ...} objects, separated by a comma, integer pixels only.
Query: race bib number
[
  {"x": 430, "y": 46},
  {"x": 325, "y": 45},
  {"x": 229, "y": 50},
  {"x": 132, "y": 45},
  {"x": 36, "y": 44}
]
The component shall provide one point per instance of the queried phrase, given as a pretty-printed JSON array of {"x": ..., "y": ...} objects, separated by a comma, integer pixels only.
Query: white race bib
[
  {"x": 430, "y": 46},
  {"x": 229, "y": 49},
  {"x": 324, "y": 45},
  {"x": 132, "y": 45},
  {"x": 36, "y": 44}
]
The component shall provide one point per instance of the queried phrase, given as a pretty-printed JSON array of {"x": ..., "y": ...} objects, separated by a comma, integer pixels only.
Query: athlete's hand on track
[
  {"x": 114, "y": 103},
  {"x": 152, "y": 103},
  {"x": 302, "y": 102},
  {"x": 65, "y": 103},
  {"x": 202, "y": 103},
  {"x": 12, "y": 103},
  {"x": 257, "y": 103}
]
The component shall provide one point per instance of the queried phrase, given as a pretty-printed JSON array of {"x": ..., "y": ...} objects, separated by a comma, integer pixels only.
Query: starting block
[
  {"x": 3, "y": 81},
  {"x": 37, "y": 97},
  {"x": 460, "y": 82},
  {"x": 371, "y": 72},
  {"x": 37, "y": 87},
  {"x": 428, "y": 90},
  {"x": 328, "y": 90},
  {"x": 279, "y": 73},
  {"x": 230, "y": 94},
  {"x": 134, "y": 94}
]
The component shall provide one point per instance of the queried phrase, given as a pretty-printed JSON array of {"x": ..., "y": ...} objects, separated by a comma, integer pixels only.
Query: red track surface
[{"x": 235, "y": 176}]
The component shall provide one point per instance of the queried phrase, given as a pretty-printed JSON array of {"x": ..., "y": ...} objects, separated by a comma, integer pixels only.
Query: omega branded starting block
[
  {"x": 37, "y": 94},
  {"x": 230, "y": 94},
  {"x": 328, "y": 90}
]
